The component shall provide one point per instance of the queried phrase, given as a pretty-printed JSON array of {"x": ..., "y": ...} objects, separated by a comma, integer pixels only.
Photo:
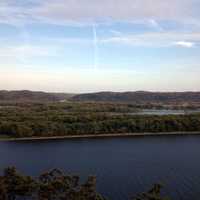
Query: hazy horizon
[
  {"x": 91, "y": 46},
  {"x": 102, "y": 91}
]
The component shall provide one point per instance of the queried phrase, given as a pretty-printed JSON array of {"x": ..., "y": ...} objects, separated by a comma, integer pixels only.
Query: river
[{"x": 123, "y": 166}]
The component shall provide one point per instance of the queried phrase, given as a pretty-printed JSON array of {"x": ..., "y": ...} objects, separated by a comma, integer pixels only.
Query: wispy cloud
[
  {"x": 70, "y": 11},
  {"x": 45, "y": 36},
  {"x": 184, "y": 44},
  {"x": 25, "y": 53},
  {"x": 156, "y": 39}
]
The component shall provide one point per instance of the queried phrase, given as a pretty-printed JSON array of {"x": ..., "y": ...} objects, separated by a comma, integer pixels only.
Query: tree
[{"x": 153, "y": 194}]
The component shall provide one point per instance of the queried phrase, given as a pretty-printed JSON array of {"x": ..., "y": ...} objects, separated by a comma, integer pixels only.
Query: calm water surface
[
  {"x": 123, "y": 166},
  {"x": 162, "y": 112}
]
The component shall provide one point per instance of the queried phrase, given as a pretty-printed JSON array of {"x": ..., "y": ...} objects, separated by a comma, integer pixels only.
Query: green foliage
[
  {"x": 61, "y": 119},
  {"x": 52, "y": 185},
  {"x": 14, "y": 184},
  {"x": 57, "y": 185},
  {"x": 153, "y": 194}
]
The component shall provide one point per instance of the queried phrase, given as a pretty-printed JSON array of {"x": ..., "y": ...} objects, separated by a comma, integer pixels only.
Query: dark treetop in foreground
[{"x": 56, "y": 185}]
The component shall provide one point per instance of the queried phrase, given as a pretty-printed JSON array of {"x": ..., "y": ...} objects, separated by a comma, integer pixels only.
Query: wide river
[{"x": 123, "y": 166}]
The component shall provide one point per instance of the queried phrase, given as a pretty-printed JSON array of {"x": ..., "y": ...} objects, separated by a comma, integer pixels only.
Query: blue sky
[{"x": 91, "y": 45}]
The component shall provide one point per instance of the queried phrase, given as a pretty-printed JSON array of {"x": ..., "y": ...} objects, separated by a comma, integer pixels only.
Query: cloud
[
  {"x": 153, "y": 23},
  {"x": 184, "y": 44},
  {"x": 26, "y": 53},
  {"x": 148, "y": 13},
  {"x": 155, "y": 39},
  {"x": 79, "y": 11}
]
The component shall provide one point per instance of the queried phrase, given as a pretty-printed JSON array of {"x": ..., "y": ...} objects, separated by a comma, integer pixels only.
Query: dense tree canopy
[
  {"x": 57, "y": 185},
  {"x": 62, "y": 119}
]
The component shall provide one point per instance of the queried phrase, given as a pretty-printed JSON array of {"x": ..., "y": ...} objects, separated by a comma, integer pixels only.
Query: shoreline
[{"x": 102, "y": 136}]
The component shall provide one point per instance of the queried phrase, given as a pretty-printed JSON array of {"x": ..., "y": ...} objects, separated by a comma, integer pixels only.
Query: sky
[{"x": 81, "y": 46}]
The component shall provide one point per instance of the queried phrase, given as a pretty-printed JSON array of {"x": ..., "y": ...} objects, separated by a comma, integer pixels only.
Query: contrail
[
  {"x": 95, "y": 46},
  {"x": 25, "y": 44}
]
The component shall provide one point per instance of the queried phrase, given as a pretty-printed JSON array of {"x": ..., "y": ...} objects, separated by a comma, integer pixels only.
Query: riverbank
[{"x": 99, "y": 136}]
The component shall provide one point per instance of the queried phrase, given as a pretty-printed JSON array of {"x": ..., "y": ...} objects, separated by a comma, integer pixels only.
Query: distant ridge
[
  {"x": 140, "y": 97},
  {"x": 31, "y": 96}
]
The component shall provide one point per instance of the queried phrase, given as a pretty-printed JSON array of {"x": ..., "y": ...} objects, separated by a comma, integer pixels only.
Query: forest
[
  {"x": 57, "y": 185},
  {"x": 19, "y": 120}
]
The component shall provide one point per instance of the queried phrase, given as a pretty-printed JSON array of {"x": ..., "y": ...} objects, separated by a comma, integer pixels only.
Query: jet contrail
[
  {"x": 22, "y": 50},
  {"x": 95, "y": 46}
]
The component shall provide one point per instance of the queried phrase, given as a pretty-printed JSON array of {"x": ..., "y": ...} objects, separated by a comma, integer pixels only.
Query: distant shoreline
[{"x": 101, "y": 136}]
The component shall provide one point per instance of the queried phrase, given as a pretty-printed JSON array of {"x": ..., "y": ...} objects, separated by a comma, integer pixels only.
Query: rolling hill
[
  {"x": 31, "y": 96},
  {"x": 138, "y": 97},
  {"x": 141, "y": 97}
]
